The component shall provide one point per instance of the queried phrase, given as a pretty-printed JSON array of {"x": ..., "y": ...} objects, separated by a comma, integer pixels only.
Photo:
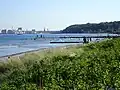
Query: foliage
[
  {"x": 94, "y": 66},
  {"x": 103, "y": 27}
]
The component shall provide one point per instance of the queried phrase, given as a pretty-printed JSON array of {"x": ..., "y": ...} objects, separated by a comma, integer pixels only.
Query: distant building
[
  {"x": 20, "y": 28},
  {"x": 44, "y": 29},
  {"x": 19, "y": 31},
  {"x": 4, "y": 31},
  {"x": 10, "y": 32},
  {"x": 28, "y": 32},
  {"x": 39, "y": 31},
  {"x": 33, "y": 31},
  {"x": 52, "y": 32}
]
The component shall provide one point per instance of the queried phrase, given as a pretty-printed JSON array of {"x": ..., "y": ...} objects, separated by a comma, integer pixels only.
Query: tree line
[{"x": 103, "y": 27}]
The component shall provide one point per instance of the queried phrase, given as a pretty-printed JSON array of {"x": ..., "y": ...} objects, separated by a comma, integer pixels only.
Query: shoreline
[{"x": 6, "y": 57}]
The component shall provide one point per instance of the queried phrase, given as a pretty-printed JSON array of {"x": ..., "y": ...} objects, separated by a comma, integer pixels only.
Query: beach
[
  {"x": 45, "y": 50},
  {"x": 10, "y": 44}
]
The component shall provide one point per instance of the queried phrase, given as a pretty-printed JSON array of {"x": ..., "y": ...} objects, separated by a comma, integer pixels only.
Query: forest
[{"x": 103, "y": 27}]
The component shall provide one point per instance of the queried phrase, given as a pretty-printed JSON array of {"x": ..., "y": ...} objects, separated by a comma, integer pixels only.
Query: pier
[
  {"x": 66, "y": 42},
  {"x": 90, "y": 37},
  {"x": 86, "y": 39}
]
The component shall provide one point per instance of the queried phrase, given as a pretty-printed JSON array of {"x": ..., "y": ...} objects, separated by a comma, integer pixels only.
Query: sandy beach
[{"x": 18, "y": 55}]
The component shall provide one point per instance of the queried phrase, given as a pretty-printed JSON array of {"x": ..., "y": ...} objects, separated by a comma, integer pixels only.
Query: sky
[{"x": 56, "y": 14}]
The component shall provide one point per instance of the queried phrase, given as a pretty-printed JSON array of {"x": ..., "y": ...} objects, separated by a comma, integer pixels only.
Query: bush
[{"x": 95, "y": 68}]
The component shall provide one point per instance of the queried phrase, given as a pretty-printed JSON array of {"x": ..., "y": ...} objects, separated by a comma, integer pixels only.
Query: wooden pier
[
  {"x": 91, "y": 37},
  {"x": 86, "y": 39},
  {"x": 66, "y": 42}
]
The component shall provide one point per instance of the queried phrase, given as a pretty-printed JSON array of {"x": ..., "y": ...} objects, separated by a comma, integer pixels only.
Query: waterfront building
[
  {"x": 33, "y": 31},
  {"x": 4, "y": 31},
  {"x": 19, "y": 30},
  {"x": 28, "y": 32},
  {"x": 11, "y": 32}
]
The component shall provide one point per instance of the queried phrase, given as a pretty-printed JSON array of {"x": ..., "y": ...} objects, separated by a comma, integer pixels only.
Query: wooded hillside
[{"x": 103, "y": 27}]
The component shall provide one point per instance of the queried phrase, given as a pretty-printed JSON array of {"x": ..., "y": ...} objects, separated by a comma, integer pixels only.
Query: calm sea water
[{"x": 12, "y": 43}]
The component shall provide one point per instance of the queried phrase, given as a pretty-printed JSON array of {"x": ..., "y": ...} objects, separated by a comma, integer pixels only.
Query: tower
[{"x": 44, "y": 29}]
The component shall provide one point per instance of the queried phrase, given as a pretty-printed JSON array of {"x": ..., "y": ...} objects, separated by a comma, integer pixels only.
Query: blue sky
[{"x": 56, "y": 14}]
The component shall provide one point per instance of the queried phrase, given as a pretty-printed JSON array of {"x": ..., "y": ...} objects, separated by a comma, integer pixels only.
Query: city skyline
[
  {"x": 22, "y": 28},
  {"x": 54, "y": 14}
]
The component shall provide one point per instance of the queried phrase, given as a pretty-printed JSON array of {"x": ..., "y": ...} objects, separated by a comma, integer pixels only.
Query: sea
[{"x": 14, "y": 43}]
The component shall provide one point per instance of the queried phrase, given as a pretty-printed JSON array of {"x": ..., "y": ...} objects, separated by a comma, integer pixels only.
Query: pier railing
[{"x": 90, "y": 37}]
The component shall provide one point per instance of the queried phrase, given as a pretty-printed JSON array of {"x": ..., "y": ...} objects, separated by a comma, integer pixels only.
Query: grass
[{"x": 93, "y": 66}]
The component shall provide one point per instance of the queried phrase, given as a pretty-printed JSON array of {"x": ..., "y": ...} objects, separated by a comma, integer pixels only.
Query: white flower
[{"x": 72, "y": 54}]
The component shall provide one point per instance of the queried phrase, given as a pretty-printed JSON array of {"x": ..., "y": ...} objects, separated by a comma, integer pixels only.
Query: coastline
[
  {"x": 17, "y": 55},
  {"x": 76, "y": 61},
  {"x": 6, "y": 57}
]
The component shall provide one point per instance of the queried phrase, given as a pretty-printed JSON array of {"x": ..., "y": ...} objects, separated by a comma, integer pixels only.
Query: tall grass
[{"x": 93, "y": 66}]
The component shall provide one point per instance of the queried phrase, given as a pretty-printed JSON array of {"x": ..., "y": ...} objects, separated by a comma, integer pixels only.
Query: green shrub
[{"x": 94, "y": 66}]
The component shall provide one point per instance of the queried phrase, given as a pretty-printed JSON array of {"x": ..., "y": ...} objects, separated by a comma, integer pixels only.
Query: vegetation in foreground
[{"x": 95, "y": 66}]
